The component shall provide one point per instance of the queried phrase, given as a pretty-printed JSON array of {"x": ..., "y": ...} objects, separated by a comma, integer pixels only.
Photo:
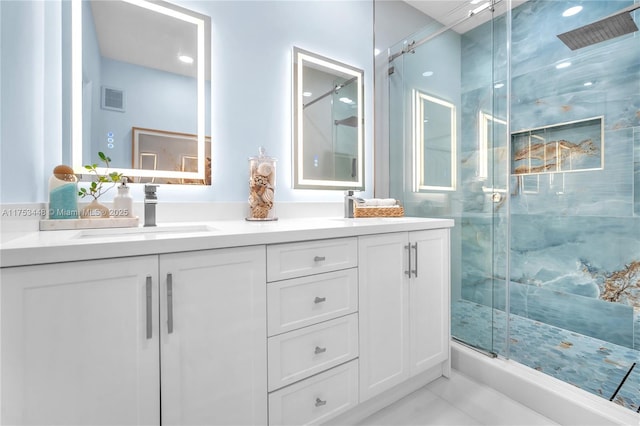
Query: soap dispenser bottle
[{"x": 123, "y": 203}]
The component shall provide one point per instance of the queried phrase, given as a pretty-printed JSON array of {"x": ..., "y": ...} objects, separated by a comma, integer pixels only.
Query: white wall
[
  {"x": 251, "y": 90},
  {"x": 30, "y": 115}
]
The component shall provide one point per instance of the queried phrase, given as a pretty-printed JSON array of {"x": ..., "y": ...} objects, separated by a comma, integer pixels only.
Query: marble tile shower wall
[{"x": 575, "y": 236}]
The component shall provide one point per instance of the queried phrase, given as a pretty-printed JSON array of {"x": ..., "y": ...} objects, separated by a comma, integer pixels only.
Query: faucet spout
[{"x": 150, "y": 201}]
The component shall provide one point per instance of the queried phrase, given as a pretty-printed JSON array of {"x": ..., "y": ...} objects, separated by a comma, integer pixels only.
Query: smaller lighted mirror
[
  {"x": 434, "y": 143},
  {"x": 328, "y": 123}
]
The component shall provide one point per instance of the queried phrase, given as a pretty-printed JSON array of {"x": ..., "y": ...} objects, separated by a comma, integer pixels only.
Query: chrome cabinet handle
[
  {"x": 149, "y": 308},
  {"x": 415, "y": 271},
  {"x": 319, "y": 259},
  {"x": 319, "y": 299},
  {"x": 169, "y": 303},
  {"x": 408, "y": 248},
  {"x": 319, "y": 350},
  {"x": 320, "y": 403}
]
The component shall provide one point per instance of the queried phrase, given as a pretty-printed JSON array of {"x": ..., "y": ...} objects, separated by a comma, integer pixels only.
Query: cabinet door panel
[
  {"x": 75, "y": 349},
  {"x": 214, "y": 360},
  {"x": 383, "y": 312},
  {"x": 429, "y": 300}
]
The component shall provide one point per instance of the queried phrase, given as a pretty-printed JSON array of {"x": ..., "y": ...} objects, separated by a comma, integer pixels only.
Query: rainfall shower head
[{"x": 620, "y": 23}]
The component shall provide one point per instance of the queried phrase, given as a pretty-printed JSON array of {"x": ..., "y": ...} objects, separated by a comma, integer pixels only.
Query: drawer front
[
  {"x": 316, "y": 399},
  {"x": 298, "y": 354},
  {"x": 299, "y": 302},
  {"x": 292, "y": 260}
]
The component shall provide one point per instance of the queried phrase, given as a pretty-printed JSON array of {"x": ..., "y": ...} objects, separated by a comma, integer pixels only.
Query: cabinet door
[
  {"x": 213, "y": 350},
  {"x": 383, "y": 312},
  {"x": 429, "y": 299},
  {"x": 76, "y": 347}
]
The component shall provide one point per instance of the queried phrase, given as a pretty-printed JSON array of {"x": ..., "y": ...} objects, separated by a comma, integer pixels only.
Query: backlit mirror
[
  {"x": 138, "y": 64},
  {"x": 328, "y": 123},
  {"x": 434, "y": 143}
]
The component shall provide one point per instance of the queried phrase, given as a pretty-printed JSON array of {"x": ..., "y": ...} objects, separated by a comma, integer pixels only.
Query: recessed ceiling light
[
  {"x": 588, "y": 83},
  {"x": 572, "y": 11},
  {"x": 475, "y": 1},
  {"x": 306, "y": 94},
  {"x": 346, "y": 100},
  {"x": 499, "y": 85},
  {"x": 376, "y": 52},
  {"x": 563, "y": 65},
  {"x": 186, "y": 59},
  {"x": 427, "y": 73}
]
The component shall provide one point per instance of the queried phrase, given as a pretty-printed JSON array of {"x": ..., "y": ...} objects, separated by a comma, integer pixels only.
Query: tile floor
[{"x": 456, "y": 401}]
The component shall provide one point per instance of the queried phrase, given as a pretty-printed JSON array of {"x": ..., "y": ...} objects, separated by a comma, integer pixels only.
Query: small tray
[
  {"x": 373, "y": 211},
  {"x": 109, "y": 222}
]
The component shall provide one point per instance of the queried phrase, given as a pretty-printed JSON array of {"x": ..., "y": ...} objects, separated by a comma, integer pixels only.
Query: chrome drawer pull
[
  {"x": 408, "y": 248},
  {"x": 415, "y": 271},
  {"x": 149, "y": 308},
  {"x": 320, "y": 350},
  {"x": 169, "y": 303},
  {"x": 319, "y": 299},
  {"x": 319, "y": 259},
  {"x": 320, "y": 403}
]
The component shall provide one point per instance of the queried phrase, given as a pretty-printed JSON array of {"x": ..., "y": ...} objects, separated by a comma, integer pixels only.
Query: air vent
[{"x": 112, "y": 99}]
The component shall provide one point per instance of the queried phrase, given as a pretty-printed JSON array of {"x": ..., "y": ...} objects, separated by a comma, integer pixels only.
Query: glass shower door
[{"x": 448, "y": 143}]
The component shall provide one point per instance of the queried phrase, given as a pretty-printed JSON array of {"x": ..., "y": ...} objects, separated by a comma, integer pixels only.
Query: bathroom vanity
[{"x": 289, "y": 322}]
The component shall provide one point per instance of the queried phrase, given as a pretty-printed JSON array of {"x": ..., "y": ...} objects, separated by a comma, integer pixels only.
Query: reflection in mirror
[
  {"x": 139, "y": 64},
  {"x": 434, "y": 143},
  {"x": 492, "y": 150},
  {"x": 328, "y": 123}
]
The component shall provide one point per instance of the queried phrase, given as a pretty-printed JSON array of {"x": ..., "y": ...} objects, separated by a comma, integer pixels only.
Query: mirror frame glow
[
  {"x": 76, "y": 93},
  {"x": 418, "y": 142},
  {"x": 300, "y": 57}
]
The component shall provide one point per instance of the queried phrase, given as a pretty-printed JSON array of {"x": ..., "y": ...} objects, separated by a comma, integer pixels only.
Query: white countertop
[{"x": 29, "y": 248}]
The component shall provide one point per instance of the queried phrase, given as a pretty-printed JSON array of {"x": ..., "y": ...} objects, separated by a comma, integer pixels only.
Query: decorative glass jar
[{"x": 262, "y": 185}]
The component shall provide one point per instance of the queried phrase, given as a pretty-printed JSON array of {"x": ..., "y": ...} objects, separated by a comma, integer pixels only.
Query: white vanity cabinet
[
  {"x": 80, "y": 343},
  {"x": 98, "y": 342},
  {"x": 312, "y": 316},
  {"x": 212, "y": 345},
  {"x": 404, "y": 307},
  {"x": 286, "y": 324}
]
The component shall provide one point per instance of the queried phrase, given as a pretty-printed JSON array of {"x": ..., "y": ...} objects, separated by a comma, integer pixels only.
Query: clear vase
[{"x": 262, "y": 185}]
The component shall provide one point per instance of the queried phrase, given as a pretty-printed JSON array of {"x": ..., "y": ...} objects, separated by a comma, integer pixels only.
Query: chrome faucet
[
  {"x": 150, "y": 201},
  {"x": 349, "y": 200}
]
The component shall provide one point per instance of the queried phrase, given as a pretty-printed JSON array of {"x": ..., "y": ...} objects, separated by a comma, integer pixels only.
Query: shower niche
[{"x": 566, "y": 147}]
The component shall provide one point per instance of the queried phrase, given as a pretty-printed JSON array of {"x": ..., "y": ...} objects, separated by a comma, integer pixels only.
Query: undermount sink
[{"x": 150, "y": 231}]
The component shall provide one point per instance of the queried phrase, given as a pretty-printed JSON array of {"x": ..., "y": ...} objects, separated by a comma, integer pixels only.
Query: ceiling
[{"x": 448, "y": 12}]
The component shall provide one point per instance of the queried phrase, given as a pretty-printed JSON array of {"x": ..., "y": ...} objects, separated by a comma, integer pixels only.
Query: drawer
[
  {"x": 298, "y": 354},
  {"x": 292, "y": 260},
  {"x": 300, "y": 302},
  {"x": 317, "y": 399}
]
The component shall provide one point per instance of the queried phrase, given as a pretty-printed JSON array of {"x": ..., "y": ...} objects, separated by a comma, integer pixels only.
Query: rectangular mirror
[
  {"x": 434, "y": 143},
  {"x": 139, "y": 64},
  {"x": 328, "y": 123}
]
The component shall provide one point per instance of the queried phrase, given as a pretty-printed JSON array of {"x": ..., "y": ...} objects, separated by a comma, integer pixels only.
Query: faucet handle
[{"x": 150, "y": 191}]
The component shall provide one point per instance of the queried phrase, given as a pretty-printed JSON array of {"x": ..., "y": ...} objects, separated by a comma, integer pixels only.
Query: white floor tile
[{"x": 456, "y": 401}]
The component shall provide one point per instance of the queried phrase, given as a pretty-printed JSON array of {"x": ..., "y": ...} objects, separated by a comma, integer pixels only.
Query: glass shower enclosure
[{"x": 533, "y": 148}]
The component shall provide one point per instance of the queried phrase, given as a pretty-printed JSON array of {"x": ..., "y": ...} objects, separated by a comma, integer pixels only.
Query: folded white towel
[
  {"x": 379, "y": 202},
  {"x": 387, "y": 202}
]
